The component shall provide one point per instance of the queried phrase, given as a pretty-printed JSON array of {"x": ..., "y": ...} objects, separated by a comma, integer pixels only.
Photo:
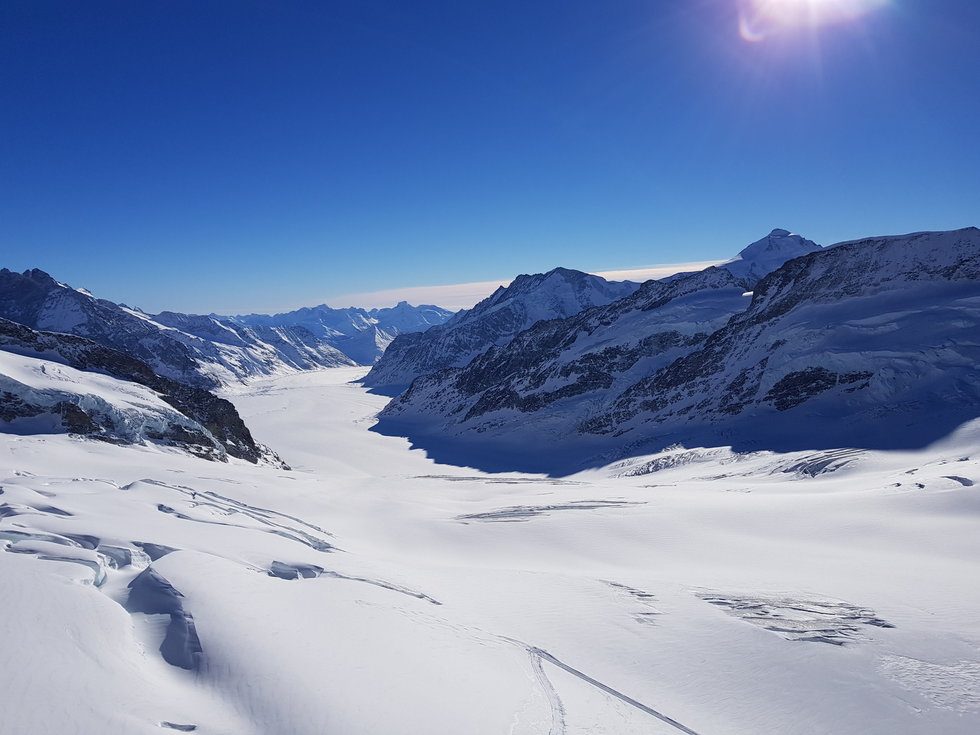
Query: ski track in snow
[{"x": 540, "y": 655}]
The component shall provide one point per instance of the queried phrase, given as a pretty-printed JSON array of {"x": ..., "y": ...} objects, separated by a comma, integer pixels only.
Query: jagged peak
[
  {"x": 33, "y": 274},
  {"x": 532, "y": 280}
]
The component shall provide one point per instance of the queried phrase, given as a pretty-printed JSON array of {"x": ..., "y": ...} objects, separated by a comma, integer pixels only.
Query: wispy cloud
[
  {"x": 656, "y": 271},
  {"x": 465, "y": 295},
  {"x": 454, "y": 296}
]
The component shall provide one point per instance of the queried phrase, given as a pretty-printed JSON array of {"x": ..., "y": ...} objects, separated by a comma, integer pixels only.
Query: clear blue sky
[{"x": 201, "y": 155}]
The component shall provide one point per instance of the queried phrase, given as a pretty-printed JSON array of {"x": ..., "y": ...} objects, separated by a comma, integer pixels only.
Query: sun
[{"x": 759, "y": 19}]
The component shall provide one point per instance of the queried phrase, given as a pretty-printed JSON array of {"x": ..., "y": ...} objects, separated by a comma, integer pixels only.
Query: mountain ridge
[
  {"x": 199, "y": 350},
  {"x": 529, "y": 298},
  {"x": 591, "y": 380}
]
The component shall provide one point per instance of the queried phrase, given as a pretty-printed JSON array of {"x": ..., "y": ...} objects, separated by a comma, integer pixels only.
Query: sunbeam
[{"x": 760, "y": 19}]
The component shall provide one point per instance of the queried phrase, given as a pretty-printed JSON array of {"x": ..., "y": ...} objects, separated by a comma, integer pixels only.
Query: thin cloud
[
  {"x": 464, "y": 295},
  {"x": 656, "y": 271},
  {"x": 454, "y": 296}
]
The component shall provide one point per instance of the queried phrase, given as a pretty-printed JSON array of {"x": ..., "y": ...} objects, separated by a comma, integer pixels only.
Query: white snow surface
[{"x": 692, "y": 591}]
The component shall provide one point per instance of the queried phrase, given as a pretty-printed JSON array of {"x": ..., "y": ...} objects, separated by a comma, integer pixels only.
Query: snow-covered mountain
[
  {"x": 361, "y": 334},
  {"x": 232, "y": 352},
  {"x": 862, "y": 344},
  {"x": 60, "y": 383},
  {"x": 494, "y": 321},
  {"x": 366, "y": 346},
  {"x": 210, "y": 350},
  {"x": 197, "y": 350},
  {"x": 766, "y": 255}
]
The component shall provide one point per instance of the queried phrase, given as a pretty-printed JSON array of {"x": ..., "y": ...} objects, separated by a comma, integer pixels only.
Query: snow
[
  {"x": 454, "y": 601},
  {"x": 767, "y": 254},
  {"x": 44, "y": 375}
]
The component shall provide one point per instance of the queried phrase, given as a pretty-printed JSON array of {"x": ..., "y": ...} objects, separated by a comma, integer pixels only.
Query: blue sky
[{"x": 260, "y": 155}]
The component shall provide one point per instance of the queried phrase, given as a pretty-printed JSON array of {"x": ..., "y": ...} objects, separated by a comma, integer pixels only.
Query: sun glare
[{"x": 759, "y": 19}]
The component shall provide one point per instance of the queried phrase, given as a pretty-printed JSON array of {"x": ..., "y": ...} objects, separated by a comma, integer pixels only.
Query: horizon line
[{"x": 455, "y": 296}]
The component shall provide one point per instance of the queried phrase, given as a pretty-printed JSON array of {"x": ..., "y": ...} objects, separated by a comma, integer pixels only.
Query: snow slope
[
  {"x": 374, "y": 591},
  {"x": 42, "y": 397},
  {"x": 60, "y": 382}
]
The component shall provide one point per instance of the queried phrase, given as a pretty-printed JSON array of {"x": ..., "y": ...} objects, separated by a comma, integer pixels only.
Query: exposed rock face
[
  {"x": 582, "y": 359},
  {"x": 212, "y": 427},
  {"x": 869, "y": 343},
  {"x": 554, "y": 295},
  {"x": 494, "y": 321}
]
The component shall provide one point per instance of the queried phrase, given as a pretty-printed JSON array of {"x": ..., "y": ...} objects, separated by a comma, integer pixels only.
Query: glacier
[{"x": 692, "y": 590}]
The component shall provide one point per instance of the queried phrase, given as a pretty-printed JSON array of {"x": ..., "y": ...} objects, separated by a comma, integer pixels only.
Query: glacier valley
[{"x": 371, "y": 590}]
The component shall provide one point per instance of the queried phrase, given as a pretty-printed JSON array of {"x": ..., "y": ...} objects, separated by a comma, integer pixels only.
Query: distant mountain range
[
  {"x": 210, "y": 350},
  {"x": 71, "y": 362},
  {"x": 360, "y": 334},
  {"x": 789, "y": 345},
  {"x": 871, "y": 343}
]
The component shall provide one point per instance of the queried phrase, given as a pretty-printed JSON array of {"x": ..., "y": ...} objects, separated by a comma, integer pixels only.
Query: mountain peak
[
  {"x": 766, "y": 255},
  {"x": 39, "y": 276},
  {"x": 779, "y": 240},
  {"x": 565, "y": 272}
]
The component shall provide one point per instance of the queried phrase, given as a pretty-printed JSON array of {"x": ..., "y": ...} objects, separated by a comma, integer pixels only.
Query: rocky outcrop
[{"x": 585, "y": 358}]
